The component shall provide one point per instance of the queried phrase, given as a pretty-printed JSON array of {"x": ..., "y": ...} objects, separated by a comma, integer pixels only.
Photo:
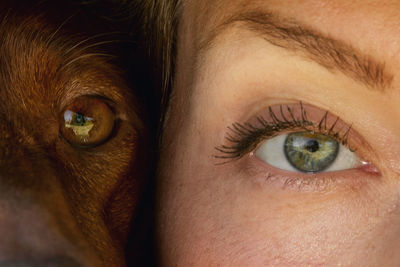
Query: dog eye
[{"x": 87, "y": 121}]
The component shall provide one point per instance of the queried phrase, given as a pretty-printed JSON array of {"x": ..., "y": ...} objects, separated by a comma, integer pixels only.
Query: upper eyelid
[
  {"x": 301, "y": 115},
  {"x": 110, "y": 102}
]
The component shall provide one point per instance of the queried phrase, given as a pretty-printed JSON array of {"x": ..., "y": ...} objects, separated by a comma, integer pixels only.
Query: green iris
[{"x": 309, "y": 152}]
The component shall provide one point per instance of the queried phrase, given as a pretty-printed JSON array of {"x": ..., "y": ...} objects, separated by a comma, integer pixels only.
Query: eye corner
[{"x": 370, "y": 168}]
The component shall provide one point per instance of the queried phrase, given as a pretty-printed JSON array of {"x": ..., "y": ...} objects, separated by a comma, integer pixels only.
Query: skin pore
[{"x": 235, "y": 59}]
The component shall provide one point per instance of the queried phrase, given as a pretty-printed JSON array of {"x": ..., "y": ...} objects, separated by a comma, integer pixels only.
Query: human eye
[
  {"x": 307, "y": 152},
  {"x": 296, "y": 140}
]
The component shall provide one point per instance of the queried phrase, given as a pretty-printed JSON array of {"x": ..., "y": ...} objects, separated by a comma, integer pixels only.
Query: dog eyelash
[{"x": 244, "y": 138}]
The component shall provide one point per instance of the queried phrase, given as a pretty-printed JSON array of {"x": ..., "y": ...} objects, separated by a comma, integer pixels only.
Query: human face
[{"x": 231, "y": 196}]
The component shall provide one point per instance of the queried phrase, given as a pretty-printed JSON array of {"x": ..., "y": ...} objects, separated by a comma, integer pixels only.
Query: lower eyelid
[{"x": 258, "y": 172}]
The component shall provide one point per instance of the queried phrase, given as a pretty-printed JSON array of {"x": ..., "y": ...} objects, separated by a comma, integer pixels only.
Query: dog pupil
[{"x": 79, "y": 119}]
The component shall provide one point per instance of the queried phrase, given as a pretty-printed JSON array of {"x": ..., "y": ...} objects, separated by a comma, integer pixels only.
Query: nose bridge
[
  {"x": 21, "y": 149},
  {"x": 15, "y": 136},
  {"x": 26, "y": 134},
  {"x": 22, "y": 166}
]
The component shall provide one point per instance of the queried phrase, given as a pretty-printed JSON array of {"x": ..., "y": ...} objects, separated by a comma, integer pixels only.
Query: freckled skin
[{"x": 222, "y": 215}]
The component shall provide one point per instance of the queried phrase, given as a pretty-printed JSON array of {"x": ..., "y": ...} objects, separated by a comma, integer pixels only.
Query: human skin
[{"x": 234, "y": 214}]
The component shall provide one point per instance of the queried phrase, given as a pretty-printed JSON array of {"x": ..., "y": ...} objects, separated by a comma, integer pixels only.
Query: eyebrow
[{"x": 334, "y": 55}]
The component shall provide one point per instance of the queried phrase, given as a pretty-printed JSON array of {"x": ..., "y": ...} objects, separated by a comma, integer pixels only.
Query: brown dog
[{"x": 71, "y": 137}]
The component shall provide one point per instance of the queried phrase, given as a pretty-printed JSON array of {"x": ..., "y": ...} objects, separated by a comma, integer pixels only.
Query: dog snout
[
  {"x": 31, "y": 235},
  {"x": 57, "y": 261},
  {"x": 37, "y": 227}
]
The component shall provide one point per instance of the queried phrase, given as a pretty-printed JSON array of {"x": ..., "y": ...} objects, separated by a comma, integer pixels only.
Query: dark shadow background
[
  {"x": 128, "y": 16},
  {"x": 145, "y": 77}
]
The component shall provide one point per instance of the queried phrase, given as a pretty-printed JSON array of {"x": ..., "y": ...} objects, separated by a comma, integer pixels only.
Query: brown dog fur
[{"x": 56, "y": 198}]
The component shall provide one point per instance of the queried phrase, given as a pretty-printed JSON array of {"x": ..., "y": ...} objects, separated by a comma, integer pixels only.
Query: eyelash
[{"x": 244, "y": 138}]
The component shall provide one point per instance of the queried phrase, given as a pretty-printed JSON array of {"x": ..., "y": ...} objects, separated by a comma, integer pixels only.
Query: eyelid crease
[{"x": 244, "y": 138}]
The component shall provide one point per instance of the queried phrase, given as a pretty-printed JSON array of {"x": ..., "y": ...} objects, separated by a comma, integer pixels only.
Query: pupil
[
  {"x": 312, "y": 145},
  {"x": 79, "y": 118}
]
